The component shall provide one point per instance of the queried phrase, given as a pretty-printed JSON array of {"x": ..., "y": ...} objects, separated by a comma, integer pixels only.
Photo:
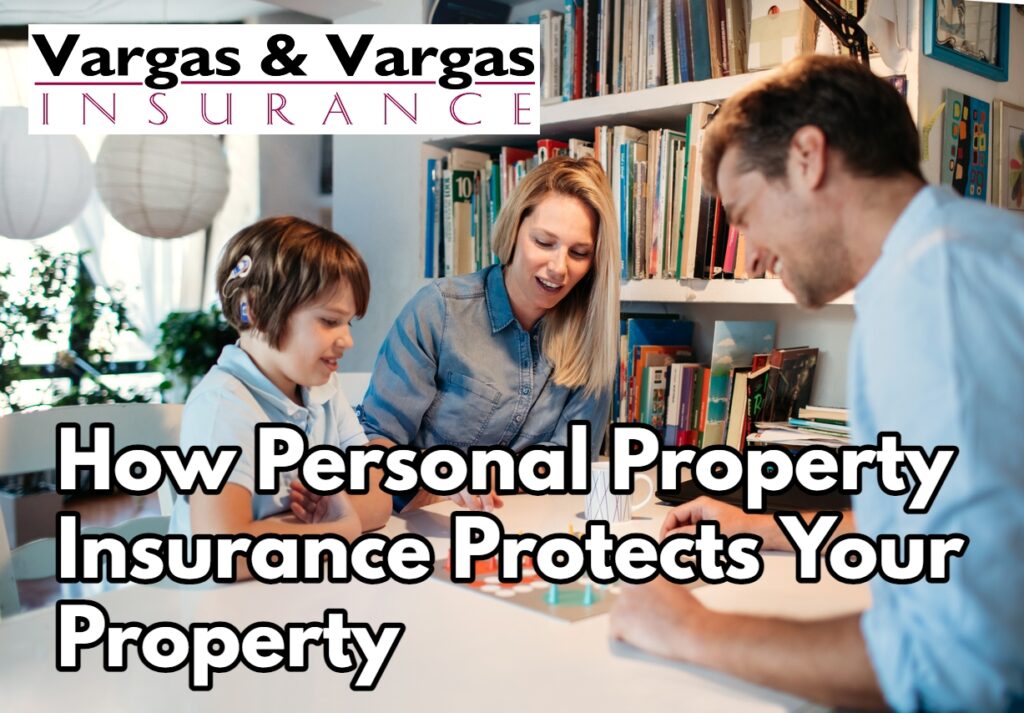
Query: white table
[{"x": 462, "y": 651}]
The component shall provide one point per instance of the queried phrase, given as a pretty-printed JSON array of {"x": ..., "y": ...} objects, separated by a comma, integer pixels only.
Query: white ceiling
[{"x": 24, "y": 12}]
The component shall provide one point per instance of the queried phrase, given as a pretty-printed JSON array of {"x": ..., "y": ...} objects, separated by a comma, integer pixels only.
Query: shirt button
[
  {"x": 517, "y": 418},
  {"x": 525, "y": 391}
]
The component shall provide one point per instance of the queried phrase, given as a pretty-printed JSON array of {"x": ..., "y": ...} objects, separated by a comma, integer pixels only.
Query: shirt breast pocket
[{"x": 463, "y": 410}]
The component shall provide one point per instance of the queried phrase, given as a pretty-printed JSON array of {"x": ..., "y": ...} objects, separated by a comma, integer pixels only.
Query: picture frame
[
  {"x": 1008, "y": 155},
  {"x": 965, "y": 145},
  {"x": 974, "y": 36}
]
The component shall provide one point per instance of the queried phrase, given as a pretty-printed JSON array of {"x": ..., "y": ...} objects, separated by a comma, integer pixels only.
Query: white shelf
[
  {"x": 659, "y": 107},
  {"x": 760, "y": 291},
  {"x": 656, "y": 108}
]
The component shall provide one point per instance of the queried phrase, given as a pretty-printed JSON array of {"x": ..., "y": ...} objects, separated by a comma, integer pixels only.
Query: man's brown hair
[
  {"x": 862, "y": 116},
  {"x": 293, "y": 263}
]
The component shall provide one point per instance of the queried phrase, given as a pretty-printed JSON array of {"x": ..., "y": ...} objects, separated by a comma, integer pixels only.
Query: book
[
  {"x": 792, "y": 379},
  {"x": 700, "y": 42},
  {"x": 508, "y": 158},
  {"x": 689, "y": 390},
  {"x": 736, "y": 423},
  {"x": 827, "y": 414},
  {"x": 654, "y": 75},
  {"x": 578, "y": 148},
  {"x": 652, "y": 397},
  {"x": 779, "y": 31},
  {"x": 549, "y": 148},
  {"x": 643, "y": 331},
  {"x": 820, "y": 426},
  {"x": 674, "y": 388},
  {"x": 757, "y": 393},
  {"x": 621, "y": 182},
  {"x": 448, "y": 221},
  {"x": 591, "y": 43},
  {"x": 716, "y": 38},
  {"x": 459, "y": 191},
  {"x": 681, "y": 32},
  {"x": 734, "y": 345},
  {"x": 738, "y": 20},
  {"x": 698, "y": 203}
]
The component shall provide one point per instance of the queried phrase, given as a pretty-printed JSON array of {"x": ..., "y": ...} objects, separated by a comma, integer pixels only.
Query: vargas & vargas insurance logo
[{"x": 284, "y": 79}]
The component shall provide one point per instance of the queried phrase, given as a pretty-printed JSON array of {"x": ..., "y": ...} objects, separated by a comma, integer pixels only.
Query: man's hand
[
  {"x": 731, "y": 519},
  {"x": 660, "y": 617},
  {"x": 311, "y": 507},
  {"x": 826, "y": 661}
]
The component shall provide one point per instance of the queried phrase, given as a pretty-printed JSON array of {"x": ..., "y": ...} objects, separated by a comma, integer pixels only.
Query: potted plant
[
  {"x": 62, "y": 306},
  {"x": 190, "y": 343}
]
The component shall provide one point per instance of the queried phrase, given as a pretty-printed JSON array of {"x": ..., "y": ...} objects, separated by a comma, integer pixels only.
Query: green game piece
[
  {"x": 588, "y": 595},
  {"x": 552, "y": 595}
]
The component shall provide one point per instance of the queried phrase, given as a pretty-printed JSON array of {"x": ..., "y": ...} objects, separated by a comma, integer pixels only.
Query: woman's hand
[
  {"x": 312, "y": 507},
  {"x": 487, "y": 502}
]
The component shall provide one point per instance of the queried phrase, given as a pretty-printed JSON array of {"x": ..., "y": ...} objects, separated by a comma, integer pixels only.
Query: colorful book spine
[
  {"x": 699, "y": 40},
  {"x": 429, "y": 233}
]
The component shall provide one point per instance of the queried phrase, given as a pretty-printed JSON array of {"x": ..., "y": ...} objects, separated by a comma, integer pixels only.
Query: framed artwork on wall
[
  {"x": 1008, "y": 155},
  {"x": 965, "y": 142},
  {"x": 974, "y": 36}
]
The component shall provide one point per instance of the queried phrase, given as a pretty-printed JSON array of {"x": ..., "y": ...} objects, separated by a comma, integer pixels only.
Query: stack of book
[
  {"x": 776, "y": 384},
  {"x": 463, "y": 192},
  {"x": 596, "y": 47},
  {"x": 668, "y": 226},
  {"x": 813, "y": 426}
]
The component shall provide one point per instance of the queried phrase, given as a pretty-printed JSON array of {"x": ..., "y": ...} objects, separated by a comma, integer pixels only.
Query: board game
[{"x": 568, "y": 602}]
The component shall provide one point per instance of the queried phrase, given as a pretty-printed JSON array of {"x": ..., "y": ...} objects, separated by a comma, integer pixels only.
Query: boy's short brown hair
[
  {"x": 294, "y": 262},
  {"x": 862, "y": 116}
]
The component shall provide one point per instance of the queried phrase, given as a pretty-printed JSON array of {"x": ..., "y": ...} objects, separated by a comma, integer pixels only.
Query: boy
[{"x": 291, "y": 289}]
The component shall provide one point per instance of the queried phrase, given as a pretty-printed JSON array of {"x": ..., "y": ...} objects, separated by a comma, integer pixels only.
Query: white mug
[{"x": 602, "y": 504}]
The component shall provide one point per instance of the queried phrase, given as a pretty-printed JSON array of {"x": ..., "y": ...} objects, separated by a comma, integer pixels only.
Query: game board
[{"x": 568, "y": 602}]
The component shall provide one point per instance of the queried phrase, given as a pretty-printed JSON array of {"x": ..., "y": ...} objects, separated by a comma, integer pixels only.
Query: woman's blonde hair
[{"x": 580, "y": 333}]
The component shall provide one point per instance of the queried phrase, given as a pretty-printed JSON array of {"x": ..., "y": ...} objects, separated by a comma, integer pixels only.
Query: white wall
[
  {"x": 290, "y": 177},
  {"x": 936, "y": 76},
  {"x": 290, "y": 165},
  {"x": 377, "y": 188}
]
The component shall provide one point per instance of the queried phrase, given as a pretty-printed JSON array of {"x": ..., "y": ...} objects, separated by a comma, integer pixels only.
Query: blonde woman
[{"x": 510, "y": 355}]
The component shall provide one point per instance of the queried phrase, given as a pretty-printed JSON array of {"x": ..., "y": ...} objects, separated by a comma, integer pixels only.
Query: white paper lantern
[
  {"x": 45, "y": 180},
  {"x": 162, "y": 186}
]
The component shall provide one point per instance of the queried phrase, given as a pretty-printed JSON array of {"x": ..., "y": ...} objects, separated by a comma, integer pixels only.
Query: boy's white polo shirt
[{"x": 232, "y": 398}]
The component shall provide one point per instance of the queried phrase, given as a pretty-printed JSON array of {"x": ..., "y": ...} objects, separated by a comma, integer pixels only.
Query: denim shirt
[{"x": 457, "y": 369}]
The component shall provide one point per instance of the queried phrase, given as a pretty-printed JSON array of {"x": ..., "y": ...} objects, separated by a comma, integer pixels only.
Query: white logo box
[{"x": 325, "y": 99}]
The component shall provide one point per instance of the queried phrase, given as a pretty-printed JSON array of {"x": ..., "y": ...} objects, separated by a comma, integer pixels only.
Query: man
[{"x": 818, "y": 166}]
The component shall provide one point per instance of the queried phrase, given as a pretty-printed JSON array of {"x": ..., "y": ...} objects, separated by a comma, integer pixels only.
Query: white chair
[
  {"x": 28, "y": 441},
  {"x": 38, "y": 560},
  {"x": 28, "y": 445}
]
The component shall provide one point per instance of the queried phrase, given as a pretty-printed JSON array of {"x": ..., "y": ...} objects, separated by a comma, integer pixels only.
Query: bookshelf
[
  {"x": 370, "y": 170},
  {"x": 702, "y": 302},
  {"x": 749, "y": 292},
  {"x": 661, "y": 107}
]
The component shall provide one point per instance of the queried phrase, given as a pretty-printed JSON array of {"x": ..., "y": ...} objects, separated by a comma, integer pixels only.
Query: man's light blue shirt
[
  {"x": 232, "y": 398},
  {"x": 938, "y": 356},
  {"x": 457, "y": 369}
]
